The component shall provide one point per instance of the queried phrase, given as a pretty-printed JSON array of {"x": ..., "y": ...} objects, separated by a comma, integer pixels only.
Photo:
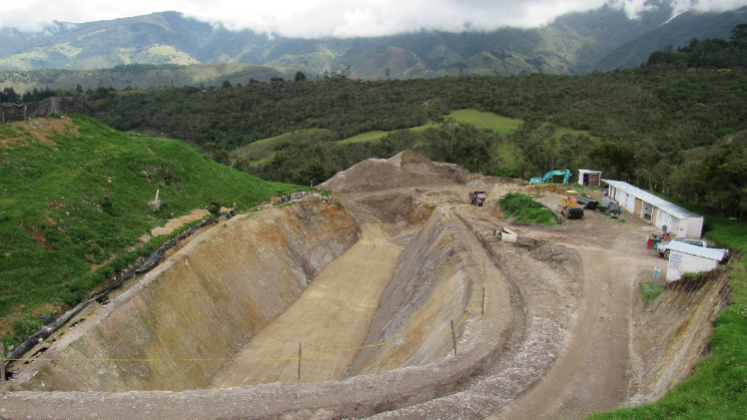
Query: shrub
[{"x": 525, "y": 209}]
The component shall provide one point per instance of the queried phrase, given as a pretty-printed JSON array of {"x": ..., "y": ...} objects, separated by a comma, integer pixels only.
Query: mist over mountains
[{"x": 604, "y": 38}]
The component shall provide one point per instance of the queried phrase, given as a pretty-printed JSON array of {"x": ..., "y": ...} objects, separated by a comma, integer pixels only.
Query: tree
[
  {"x": 214, "y": 208},
  {"x": 300, "y": 77},
  {"x": 78, "y": 90},
  {"x": 226, "y": 85},
  {"x": 314, "y": 173},
  {"x": 739, "y": 34}
]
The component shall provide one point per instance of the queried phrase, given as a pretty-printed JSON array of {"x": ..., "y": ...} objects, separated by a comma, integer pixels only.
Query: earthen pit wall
[
  {"x": 435, "y": 282},
  {"x": 672, "y": 333},
  {"x": 483, "y": 339},
  {"x": 203, "y": 303}
]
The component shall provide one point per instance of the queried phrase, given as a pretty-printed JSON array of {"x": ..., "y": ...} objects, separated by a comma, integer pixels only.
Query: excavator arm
[{"x": 565, "y": 173}]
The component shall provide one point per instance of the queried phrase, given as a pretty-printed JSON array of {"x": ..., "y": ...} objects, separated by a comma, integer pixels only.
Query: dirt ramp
[
  {"x": 200, "y": 305},
  {"x": 404, "y": 170}
]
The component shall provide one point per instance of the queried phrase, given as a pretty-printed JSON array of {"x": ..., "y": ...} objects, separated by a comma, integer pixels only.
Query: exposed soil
[
  {"x": 41, "y": 128},
  {"x": 557, "y": 339},
  {"x": 38, "y": 236},
  {"x": 178, "y": 222},
  {"x": 323, "y": 319}
]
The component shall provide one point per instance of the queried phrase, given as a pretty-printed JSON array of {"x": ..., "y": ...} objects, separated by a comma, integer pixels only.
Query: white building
[
  {"x": 589, "y": 178},
  {"x": 680, "y": 222},
  {"x": 686, "y": 258}
]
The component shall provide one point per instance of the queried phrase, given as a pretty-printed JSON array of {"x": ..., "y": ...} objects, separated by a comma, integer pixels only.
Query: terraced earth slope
[{"x": 427, "y": 314}]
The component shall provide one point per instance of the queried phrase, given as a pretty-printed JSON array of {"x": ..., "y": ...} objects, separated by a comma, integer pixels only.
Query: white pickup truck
[{"x": 663, "y": 248}]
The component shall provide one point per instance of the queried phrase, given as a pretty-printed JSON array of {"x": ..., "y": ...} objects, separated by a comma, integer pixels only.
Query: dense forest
[{"x": 676, "y": 125}]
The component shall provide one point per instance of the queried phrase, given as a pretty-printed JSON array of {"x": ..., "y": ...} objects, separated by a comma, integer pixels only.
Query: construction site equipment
[
  {"x": 587, "y": 203},
  {"x": 508, "y": 235},
  {"x": 613, "y": 209},
  {"x": 565, "y": 173},
  {"x": 569, "y": 206},
  {"x": 477, "y": 198}
]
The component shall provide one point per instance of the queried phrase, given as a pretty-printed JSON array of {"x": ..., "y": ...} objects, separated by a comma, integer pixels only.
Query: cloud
[{"x": 344, "y": 18}]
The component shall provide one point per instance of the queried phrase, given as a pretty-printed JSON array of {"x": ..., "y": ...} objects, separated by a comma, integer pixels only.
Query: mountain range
[{"x": 577, "y": 42}]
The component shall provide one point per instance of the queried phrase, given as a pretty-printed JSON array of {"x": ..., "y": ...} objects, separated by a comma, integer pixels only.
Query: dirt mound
[
  {"x": 407, "y": 207},
  {"x": 404, "y": 170}
]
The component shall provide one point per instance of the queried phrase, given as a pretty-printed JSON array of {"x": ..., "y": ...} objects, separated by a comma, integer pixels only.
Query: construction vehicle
[
  {"x": 570, "y": 207},
  {"x": 477, "y": 198},
  {"x": 565, "y": 173}
]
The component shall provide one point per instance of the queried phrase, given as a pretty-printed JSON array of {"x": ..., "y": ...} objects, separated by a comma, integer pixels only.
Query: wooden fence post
[
  {"x": 2, "y": 369},
  {"x": 299, "y": 363},
  {"x": 453, "y": 337},
  {"x": 483, "y": 301}
]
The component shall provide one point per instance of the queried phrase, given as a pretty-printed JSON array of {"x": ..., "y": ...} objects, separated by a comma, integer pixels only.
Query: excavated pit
[
  {"x": 369, "y": 283},
  {"x": 204, "y": 302}
]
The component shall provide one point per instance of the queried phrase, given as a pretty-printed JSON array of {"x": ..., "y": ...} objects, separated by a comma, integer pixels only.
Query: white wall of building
[
  {"x": 691, "y": 227},
  {"x": 681, "y": 263},
  {"x": 694, "y": 227}
]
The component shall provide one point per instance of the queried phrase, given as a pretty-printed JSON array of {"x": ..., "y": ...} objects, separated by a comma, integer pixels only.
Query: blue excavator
[{"x": 565, "y": 173}]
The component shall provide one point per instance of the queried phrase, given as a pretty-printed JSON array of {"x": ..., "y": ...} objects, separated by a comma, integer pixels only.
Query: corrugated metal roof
[
  {"x": 646, "y": 196},
  {"x": 710, "y": 253},
  {"x": 590, "y": 170}
]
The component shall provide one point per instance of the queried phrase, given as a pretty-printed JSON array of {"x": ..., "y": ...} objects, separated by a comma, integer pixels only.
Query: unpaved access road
[
  {"x": 332, "y": 314},
  {"x": 591, "y": 374}
]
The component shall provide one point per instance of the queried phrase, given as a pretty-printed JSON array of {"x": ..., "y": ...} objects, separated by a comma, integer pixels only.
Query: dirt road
[
  {"x": 333, "y": 313},
  {"x": 591, "y": 373}
]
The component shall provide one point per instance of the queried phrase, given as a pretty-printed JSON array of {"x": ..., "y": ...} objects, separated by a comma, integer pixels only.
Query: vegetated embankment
[
  {"x": 189, "y": 315},
  {"x": 672, "y": 333}
]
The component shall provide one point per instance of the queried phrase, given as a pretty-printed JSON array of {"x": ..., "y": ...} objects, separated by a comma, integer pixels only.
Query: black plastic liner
[{"x": 145, "y": 266}]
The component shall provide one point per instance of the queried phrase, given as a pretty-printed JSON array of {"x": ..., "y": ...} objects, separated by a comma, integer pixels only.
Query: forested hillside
[{"x": 640, "y": 125}]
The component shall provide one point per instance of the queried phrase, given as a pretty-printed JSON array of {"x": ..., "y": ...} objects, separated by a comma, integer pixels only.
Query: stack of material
[{"x": 44, "y": 108}]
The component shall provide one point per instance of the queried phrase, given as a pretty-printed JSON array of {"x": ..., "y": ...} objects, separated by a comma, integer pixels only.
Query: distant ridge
[{"x": 677, "y": 32}]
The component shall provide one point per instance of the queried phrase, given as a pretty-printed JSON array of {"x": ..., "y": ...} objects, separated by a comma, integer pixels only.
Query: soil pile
[{"x": 404, "y": 170}]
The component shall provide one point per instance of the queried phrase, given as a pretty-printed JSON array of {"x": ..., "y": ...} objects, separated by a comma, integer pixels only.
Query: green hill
[
  {"x": 678, "y": 32},
  {"x": 570, "y": 44},
  {"x": 73, "y": 196}
]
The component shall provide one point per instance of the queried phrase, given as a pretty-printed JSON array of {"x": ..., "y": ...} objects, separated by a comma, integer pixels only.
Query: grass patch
[
  {"x": 487, "y": 120},
  {"x": 650, "y": 291},
  {"x": 368, "y": 136},
  {"x": 264, "y": 149},
  {"x": 525, "y": 210},
  {"x": 83, "y": 202}
]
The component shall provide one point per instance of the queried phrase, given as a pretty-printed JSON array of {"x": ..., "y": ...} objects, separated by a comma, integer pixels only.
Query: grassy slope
[
  {"x": 62, "y": 193},
  {"x": 718, "y": 387},
  {"x": 261, "y": 151}
]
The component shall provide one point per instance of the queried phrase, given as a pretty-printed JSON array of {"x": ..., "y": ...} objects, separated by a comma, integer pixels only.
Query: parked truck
[{"x": 477, "y": 198}]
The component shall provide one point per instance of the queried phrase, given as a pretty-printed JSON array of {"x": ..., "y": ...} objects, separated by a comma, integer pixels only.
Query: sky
[{"x": 342, "y": 18}]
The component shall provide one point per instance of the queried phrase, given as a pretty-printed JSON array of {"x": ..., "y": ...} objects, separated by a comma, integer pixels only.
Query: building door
[{"x": 638, "y": 207}]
